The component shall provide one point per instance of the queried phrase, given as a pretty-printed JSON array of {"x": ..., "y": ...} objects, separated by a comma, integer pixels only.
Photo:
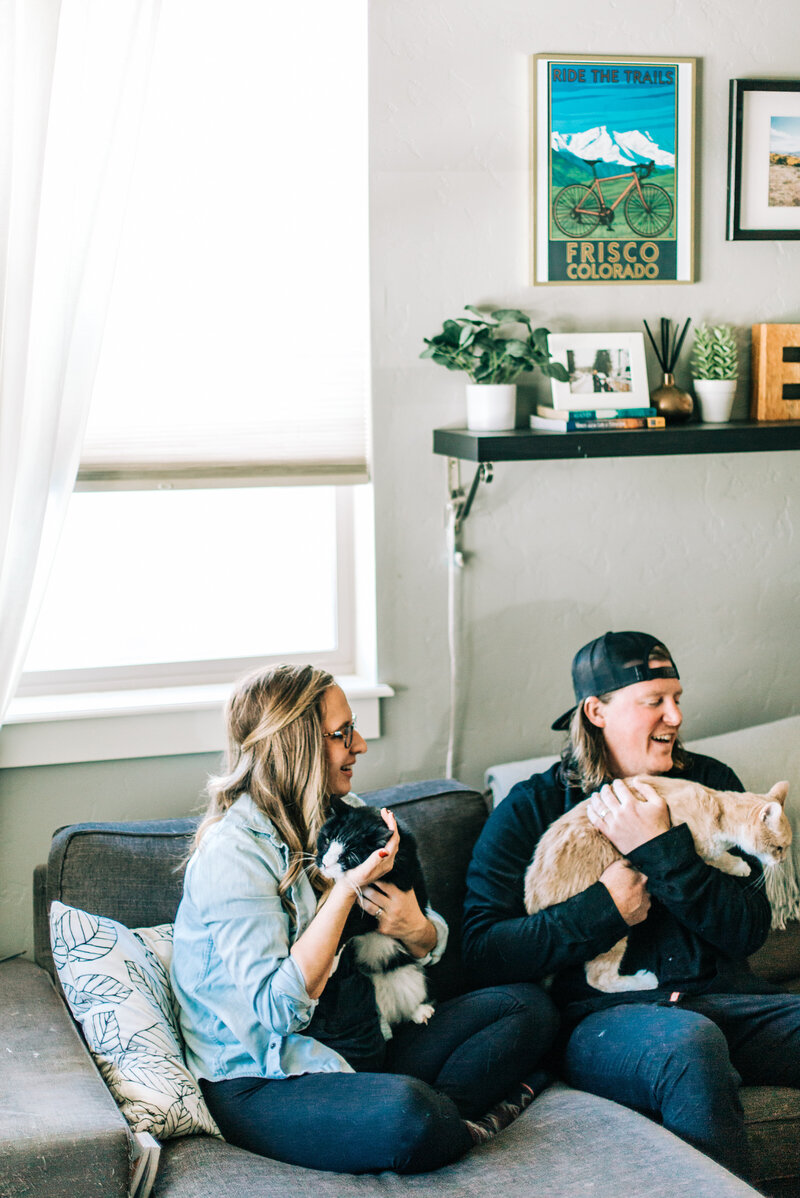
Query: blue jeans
[
  {"x": 683, "y": 1064},
  {"x": 409, "y": 1118}
]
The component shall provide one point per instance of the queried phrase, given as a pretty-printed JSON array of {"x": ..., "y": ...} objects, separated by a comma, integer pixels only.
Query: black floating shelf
[{"x": 526, "y": 445}]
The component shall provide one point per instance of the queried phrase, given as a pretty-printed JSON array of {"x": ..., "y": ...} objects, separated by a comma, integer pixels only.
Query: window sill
[{"x": 166, "y": 722}]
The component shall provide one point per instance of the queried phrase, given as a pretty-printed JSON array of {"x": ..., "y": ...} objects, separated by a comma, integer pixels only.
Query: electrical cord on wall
[{"x": 455, "y": 564}]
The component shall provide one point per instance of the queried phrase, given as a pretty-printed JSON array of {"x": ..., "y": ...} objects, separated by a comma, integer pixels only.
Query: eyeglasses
[{"x": 345, "y": 735}]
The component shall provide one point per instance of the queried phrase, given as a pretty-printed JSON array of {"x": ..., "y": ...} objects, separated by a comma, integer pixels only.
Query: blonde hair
[
  {"x": 586, "y": 761},
  {"x": 276, "y": 756}
]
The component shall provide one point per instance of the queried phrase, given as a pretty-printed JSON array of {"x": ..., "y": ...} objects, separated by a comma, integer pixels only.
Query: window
[
  {"x": 235, "y": 355},
  {"x": 154, "y": 586}
]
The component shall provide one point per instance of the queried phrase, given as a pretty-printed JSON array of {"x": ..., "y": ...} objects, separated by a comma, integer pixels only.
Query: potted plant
[
  {"x": 715, "y": 367},
  {"x": 493, "y": 349}
]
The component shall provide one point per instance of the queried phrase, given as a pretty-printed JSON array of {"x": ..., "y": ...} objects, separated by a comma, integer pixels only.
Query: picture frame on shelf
[
  {"x": 613, "y": 160},
  {"x": 606, "y": 370},
  {"x": 763, "y": 160}
]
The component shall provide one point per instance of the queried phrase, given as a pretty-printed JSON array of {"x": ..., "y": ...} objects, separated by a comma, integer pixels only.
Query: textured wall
[{"x": 699, "y": 550}]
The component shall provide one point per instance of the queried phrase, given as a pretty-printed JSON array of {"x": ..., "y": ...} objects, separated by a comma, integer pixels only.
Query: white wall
[{"x": 700, "y": 550}]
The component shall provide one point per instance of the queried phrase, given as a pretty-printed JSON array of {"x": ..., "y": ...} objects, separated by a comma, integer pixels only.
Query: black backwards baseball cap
[{"x": 612, "y": 661}]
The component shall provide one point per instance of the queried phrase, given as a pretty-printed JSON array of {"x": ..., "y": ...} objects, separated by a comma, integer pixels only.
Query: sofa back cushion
[
  {"x": 133, "y": 872},
  {"x": 129, "y": 872}
]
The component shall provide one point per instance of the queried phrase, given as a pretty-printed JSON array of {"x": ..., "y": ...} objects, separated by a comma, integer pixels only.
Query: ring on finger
[
  {"x": 602, "y": 812},
  {"x": 379, "y": 912}
]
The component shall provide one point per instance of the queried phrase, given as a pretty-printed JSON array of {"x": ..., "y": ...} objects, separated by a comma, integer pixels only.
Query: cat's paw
[
  {"x": 645, "y": 979},
  {"x": 422, "y": 1013},
  {"x": 732, "y": 865}
]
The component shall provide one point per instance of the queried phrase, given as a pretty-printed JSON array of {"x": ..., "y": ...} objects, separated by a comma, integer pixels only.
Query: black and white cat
[{"x": 347, "y": 838}]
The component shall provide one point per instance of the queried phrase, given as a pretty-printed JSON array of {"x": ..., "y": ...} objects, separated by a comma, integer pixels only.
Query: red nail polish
[{"x": 382, "y": 853}]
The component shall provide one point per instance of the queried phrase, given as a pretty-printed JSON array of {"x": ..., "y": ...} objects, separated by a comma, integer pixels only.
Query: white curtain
[{"x": 73, "y": 76}]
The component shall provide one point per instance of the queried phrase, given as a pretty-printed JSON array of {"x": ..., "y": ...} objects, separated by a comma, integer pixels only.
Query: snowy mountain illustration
[{"x": 612, "y": 146}]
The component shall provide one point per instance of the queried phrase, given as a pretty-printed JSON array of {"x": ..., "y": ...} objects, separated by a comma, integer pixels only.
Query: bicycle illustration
[{"x": 579, "y": 207}]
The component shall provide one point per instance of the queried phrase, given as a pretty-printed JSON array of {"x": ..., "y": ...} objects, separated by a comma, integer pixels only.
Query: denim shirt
[{"x": 243, "y": 1003}]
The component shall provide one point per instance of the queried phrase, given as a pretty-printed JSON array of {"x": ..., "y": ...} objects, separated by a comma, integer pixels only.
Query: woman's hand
[
  {"x": 400, "y": 915},
  {"x": 377, "y": 864},
  {"x": 397, "y": 911},
  {"x": 628, "y": 821},
  {"x": 315, "y": 950}
]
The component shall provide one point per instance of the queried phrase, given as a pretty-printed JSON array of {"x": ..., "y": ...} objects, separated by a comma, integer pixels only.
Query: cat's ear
[
  {"x": 779, "y": 792},
  {"x": 337, "y": 805},
  {"x": 771, "y": 815}
]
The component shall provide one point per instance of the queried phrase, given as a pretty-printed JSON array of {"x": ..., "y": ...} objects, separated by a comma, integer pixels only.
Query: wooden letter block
[{"x": 776, "y": 372}]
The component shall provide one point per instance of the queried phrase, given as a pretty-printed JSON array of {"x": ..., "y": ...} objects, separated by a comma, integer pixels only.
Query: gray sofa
[{"x": 61, "y": 1133}]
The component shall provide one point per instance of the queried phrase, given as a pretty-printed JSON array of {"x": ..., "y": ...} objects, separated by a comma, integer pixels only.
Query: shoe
[{"x": 501, "y": 1115}]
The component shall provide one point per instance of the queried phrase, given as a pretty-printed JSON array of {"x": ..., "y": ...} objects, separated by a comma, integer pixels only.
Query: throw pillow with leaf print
[{"x": 116, "y": 982}]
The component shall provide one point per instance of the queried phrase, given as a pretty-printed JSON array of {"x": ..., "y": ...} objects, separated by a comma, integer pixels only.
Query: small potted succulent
[
  {"x": 493, "y": 349},
  {"x": 715, "y": 368}
]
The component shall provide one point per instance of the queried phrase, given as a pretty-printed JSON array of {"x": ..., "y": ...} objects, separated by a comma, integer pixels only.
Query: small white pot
[
  {"x": 715, "y": 397},
  {"x": 491, "y": 406}
]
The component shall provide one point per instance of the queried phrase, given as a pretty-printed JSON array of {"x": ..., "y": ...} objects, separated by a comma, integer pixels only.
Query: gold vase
[{"x": 670, "y": 402}]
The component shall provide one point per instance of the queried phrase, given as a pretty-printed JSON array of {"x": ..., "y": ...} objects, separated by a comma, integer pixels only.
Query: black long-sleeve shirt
[{"x": 701, "y": 927}]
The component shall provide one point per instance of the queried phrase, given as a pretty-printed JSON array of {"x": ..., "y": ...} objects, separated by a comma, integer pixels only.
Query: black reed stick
[
  {"x": 653, "y": 343},
  {"x": 664, "y": 339},
  {"x": 677, "y": 351},
  {"x": 667, "y": 356}
]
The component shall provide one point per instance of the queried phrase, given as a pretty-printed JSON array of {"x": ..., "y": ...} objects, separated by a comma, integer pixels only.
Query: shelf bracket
[{"x": 460, "y": 500}]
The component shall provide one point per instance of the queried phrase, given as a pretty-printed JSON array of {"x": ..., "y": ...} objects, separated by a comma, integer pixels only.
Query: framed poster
[
  {"x": 764, "y": 159},
  {"x": 613, "y": 169}
]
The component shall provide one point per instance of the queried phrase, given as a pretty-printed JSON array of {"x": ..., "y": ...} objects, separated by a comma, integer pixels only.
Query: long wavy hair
[
  {"x": 586, "y": 761},
  {"x": 276, "y": 755}
]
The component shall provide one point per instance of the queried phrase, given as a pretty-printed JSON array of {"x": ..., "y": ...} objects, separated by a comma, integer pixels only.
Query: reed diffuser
[{"x": 668, "y": 400}]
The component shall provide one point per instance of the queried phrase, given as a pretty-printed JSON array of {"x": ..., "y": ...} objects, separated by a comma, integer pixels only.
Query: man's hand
[
  {"x": 627, "y": 888},
  {"x": 628, "y": 821}
]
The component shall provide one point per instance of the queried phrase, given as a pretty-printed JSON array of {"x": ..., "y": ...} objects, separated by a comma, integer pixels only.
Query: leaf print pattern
[
  {"x": 154, "y": 1039},
  {"x": 82, "y": 936},
  {"x": 105, "y": 1035},
  {"x": 155, "y": 988},
  {"x": 128, "y": 1012}
]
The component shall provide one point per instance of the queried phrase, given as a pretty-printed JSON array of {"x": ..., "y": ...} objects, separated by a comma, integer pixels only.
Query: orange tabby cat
[{"x": 572, "y": 854}]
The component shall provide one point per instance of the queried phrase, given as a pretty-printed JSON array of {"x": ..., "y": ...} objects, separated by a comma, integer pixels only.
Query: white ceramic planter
[
  {"x": 491, "y": 406},
  {"x": 715, "y": 397}
]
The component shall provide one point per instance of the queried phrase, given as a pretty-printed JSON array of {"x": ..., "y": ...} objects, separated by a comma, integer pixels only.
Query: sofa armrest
[{"x": 61, "y": 1133}]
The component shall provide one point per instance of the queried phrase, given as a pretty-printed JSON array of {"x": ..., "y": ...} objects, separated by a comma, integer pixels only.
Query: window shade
[{"x": 237, "y": 338}]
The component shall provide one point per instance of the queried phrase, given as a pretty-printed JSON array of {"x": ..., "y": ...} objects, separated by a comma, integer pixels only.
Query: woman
[
  {"x": 679, "y": 1052},
  {"x": 284, "y": 1038}
]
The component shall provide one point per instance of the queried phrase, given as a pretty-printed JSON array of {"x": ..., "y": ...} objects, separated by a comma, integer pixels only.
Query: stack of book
[{"x": 568, "y": 420}]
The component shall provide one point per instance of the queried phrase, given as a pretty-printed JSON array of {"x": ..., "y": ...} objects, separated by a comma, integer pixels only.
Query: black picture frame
[{"x": 754, "y": 104}]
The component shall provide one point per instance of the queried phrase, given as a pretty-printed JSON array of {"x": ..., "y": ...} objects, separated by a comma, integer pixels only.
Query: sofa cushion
[
  {"x": 772, "y": 1119},
  {"x": 128, "y": 871},
  {"x": 117, "y": 984},
  {"x": 567, "y": 1144}
]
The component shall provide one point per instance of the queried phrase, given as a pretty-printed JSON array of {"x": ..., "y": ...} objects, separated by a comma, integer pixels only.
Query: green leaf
[
  {"x": 511, "y": 316},
  {"x": 540, "y": 340},
  {"x": 555, "y": 370},
  {"x": 482, "y": 316},
  {"x": 451, "y": 332}
]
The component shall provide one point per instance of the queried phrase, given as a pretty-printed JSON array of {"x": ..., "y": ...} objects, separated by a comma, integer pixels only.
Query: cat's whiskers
[{"x": 758, "y": 881}]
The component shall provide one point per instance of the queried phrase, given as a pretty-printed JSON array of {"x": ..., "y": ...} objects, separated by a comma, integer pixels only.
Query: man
[{"x": 679, "y": 1052}]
